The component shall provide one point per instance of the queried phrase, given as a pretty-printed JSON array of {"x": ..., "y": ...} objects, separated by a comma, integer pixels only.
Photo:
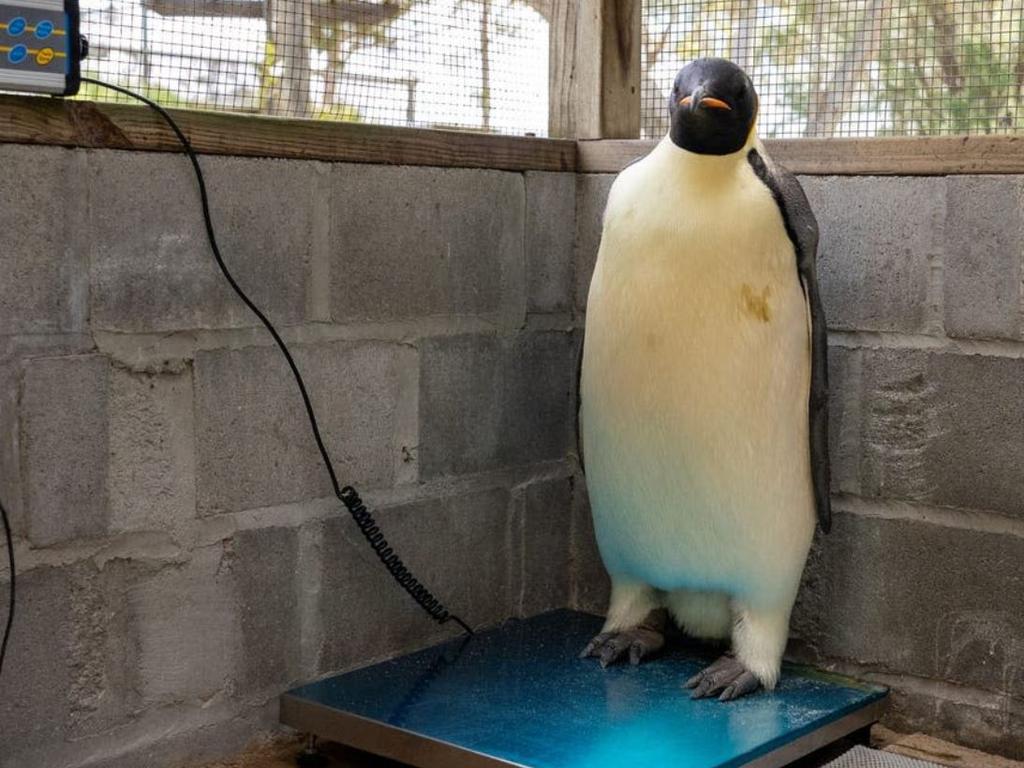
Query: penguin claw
[
  {"x": 592, "y": 646},
  {"x": 636, "y": 644},
  {"x": 741, "y": 686},
  {"x": 726, "y": 677}
]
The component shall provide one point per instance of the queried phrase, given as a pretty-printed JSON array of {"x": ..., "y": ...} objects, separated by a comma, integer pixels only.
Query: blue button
[
  {"x": 17, "y": 54},
  {"x": 44, "y": 29},
  {"x": 15, "y": 26}
]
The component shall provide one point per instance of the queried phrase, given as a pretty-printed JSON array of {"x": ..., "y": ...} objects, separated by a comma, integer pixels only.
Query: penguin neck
[{"x": 708, "y": 171}]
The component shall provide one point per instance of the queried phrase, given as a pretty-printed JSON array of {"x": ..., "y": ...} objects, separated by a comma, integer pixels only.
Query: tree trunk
[
  {"x": 945, "y": 41},
  {"x": 289, "y": 29},
  {"x": 828, "y": 104},
  {"x": 485, "y": 63},
  {"x": 654, "y": 121},
  {"x": 744, "y": 18},
  {"x": 332, "y": 72}
]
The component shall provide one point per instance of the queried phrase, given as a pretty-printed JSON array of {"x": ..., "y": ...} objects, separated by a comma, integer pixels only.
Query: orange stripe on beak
[
  {"x": 714, "y": 103},
  {"x": 708, "y": 101}
]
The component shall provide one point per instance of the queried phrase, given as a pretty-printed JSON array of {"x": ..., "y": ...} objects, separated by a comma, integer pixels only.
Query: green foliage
[
  {"x": 960, "y": 82},
  {"x": 901, "y": 67},
  {"x": 269, "y": 82},
  {"x": 162, "y": 96},
  {"x": 340, "y": 113}
]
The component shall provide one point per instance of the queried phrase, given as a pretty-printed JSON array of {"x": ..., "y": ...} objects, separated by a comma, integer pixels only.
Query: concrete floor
[{"x": 282, "y": 754}]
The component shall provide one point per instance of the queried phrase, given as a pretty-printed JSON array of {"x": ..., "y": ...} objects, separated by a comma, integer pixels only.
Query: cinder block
[
  {"x": 458, "y": 547},
  {"x": 152, "y": 268},
  {"x": 65, "y": 404},
  {"x": 44, "y": 285},
  {"x": 181, "y": 737},
  {"x": 550, "y": 235},
  {"x": 992, "y": 724},
  {"x": 976, "y": 461},
  {"x": 844, "y": 373},
  {"x": 254, "y": 445},
  {"x": 69, "y": 671},
  {"x": 416, "y": 242},
  {"x": 185, "y": 619},
  {"x": 37, "y": 701},
  {"x": 15, "y": 351},
  {"x": 942, "y": 429},
  {"x": 546, "y": 536},
  {"x": 591, "y": 196},
  {"x": 10, "y": 445},
  {"x": 984, "y": 256},
  {"x": 590, "y": 583},
  {"x": 881, "y": 239},
  {"x": 490, "y": 401},
  {"x": 265, "y": 566},
  {"x": 909, "y": 597},
  {"x": 151, "y": 476}
]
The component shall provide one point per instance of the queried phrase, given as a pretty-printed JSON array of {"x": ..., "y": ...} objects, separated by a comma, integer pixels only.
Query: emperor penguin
[{"x": 704, "y": 390}]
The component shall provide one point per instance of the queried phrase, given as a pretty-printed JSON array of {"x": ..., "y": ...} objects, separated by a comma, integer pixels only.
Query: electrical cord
[
  {"x": 347, "y": 495},
  {"x": 10, "y": 610}
]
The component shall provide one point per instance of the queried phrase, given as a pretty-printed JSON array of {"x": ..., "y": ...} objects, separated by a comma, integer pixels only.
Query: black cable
[
  {"x": 348, "y": 496},
  {"x": 10, "y": 611}
]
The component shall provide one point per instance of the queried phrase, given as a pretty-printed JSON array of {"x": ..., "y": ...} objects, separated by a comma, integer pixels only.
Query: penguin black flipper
[{"x": 802, "y": 229}]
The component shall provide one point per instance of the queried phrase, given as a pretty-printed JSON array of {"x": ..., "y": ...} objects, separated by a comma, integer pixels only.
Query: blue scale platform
[{"x": 517, "y": 695}]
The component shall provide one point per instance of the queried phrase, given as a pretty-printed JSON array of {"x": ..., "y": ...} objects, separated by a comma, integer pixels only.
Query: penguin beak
[
  {"x": 698, "y": 99},
  {"x": 712, "y": 103}
]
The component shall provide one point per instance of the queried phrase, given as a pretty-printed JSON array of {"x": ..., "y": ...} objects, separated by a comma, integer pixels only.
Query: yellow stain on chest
[{"x": 757, "y": 304}]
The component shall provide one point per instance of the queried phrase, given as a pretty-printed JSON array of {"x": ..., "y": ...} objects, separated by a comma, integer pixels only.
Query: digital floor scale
[{"x": 517, "y": 695}]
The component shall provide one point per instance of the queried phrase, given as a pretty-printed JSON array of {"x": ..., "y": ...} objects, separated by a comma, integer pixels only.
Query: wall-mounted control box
[{"x": 40, "y": 46}]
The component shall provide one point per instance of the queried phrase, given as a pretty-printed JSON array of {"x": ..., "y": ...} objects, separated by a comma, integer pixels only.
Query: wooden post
[{"x": 595, "y": 69}]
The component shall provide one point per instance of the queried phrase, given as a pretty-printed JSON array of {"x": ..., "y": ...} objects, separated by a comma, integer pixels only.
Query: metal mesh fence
[
  {"x": 466, "y": 64},
  {"x": 849, "y": 68}
]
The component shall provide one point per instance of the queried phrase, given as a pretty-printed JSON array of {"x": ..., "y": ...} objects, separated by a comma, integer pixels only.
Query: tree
[
  {"x": 288, "y": 36},
  {"x": 342, "y": 34},
  {"x": 297, "y": 28},
  {"x": 906, "y": 67}
]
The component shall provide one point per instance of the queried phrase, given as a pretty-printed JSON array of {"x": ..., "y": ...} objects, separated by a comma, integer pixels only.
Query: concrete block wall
[
  {"x": 920, "y": 586},
  {"x": 181, "y": 560}
]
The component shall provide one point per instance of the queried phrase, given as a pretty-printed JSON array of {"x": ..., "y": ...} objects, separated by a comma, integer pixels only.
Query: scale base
[{"x": 517, "y": 695}]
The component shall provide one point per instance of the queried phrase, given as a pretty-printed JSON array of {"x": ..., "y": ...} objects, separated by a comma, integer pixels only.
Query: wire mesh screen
[
  {"x": 467, "y": 64},
  {"x": 849, "y": 68}
]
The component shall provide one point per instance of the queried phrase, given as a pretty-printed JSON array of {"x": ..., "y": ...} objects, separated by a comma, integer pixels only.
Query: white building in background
[{"x": 429, "y": 72}]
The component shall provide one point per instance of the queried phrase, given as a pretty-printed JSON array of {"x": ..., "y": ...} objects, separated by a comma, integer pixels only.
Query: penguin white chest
[{"x": 695, "y": 383}]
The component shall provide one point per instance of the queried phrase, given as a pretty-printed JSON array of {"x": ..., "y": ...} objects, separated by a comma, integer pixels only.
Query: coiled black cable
[
  {"x": 392, "y": 561},
  {"x": 347, "y": 495},
  {"x": 10, "y": 609}
]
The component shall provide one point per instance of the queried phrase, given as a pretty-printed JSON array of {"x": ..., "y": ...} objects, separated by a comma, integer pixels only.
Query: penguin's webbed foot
[
  {"x": 726, "y": 677},
  {"x": 642, "y": 641}
]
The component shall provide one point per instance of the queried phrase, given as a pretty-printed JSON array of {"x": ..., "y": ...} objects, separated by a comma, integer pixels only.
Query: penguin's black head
[{"x": 712, "y": 107}]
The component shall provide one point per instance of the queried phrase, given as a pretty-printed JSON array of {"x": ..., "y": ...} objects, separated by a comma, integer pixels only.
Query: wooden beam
[
  {"x": 620, "y": 69},
  {"x": 595, "y": 69},
  {"x": 562, "y": 78},
  {"x": 38, "y": 120},
  {"x": 341, "y": 11},
  {"x": 903, "y": 156},
  {"x": 237, "y": 9},
  {"x": 610, "y": 156}
]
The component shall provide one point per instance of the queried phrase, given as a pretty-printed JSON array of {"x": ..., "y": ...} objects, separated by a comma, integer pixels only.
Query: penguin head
[{"x": 712, "y": 107}]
